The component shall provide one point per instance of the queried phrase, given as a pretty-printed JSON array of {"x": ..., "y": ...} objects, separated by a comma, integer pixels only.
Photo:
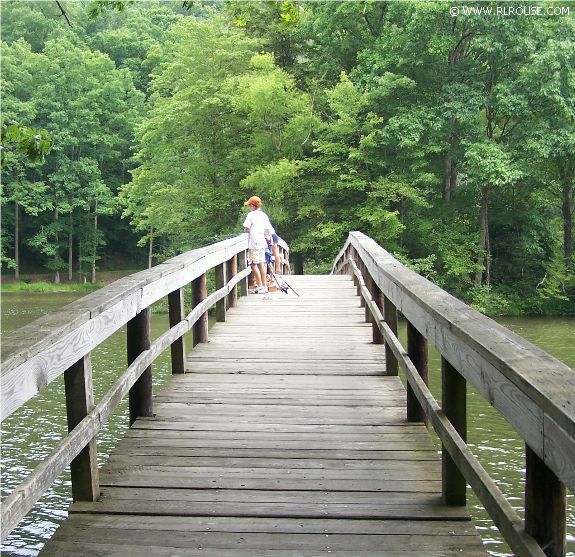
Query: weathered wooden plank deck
[{"x": 283, "y": 440}]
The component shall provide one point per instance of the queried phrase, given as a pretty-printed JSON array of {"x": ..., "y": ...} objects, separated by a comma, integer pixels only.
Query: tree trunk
[
  {"x": 57, "y": 272},
  {"x": 484, "y": 257},
  {"x": 94, "y": 252},
  {"x": 151, "y": 248},
  {"x": 449, "y": 179},
  {"x": 298, "y": 263},
  {"x": 567, "y": 212},
  {"x": 447, "y": 165},
  {"x": 80, "y": 259},
  {"x": 70, "y": 253},
  {"x": 17, "y": 241}
]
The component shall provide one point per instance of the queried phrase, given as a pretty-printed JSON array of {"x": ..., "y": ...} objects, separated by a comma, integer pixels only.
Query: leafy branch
[{"x": 33, "y": 143}]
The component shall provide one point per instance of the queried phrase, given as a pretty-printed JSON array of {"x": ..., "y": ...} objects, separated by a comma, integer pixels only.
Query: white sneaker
[
  {"x": 264, "y": 290},
  {"x": 253, "y": 290}
]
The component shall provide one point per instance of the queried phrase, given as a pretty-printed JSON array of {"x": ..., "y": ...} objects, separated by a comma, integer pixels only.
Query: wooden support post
[
  {"x": 231, "y": 272},
  {"x": 140, "y": 396},
  {"x": 368, "y": 284},
  {"x": 361, "y": 268},
  {"x": 377, "y": 297},
  {"x": 349, "y": 255},
  {"x": 177, "y": 313},
  {"x": 545, "y": 506},
  {"x": 390, "y": 317},
  {"x": 417, "y": 352},
  {"x": 200, "y": 293},
  {"x": 454, "y": 403},
  {"x": 220, "y": 283},
  {"x": 242, "y": 263},
  {"x": 285, "y": 267},
  {"x": 79, "y": 403},
  {"x": 353, "y": 255},
  {"x": 357, "y": 286}
]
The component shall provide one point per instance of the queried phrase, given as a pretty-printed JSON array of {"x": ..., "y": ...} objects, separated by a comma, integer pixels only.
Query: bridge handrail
[
  {"x": 531, "y": 389},
  {"x": 59, "y": 347}
]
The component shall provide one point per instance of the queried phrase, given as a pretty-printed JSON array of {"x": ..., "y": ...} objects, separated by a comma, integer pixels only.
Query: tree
[
  {"x": 549, "y": 135},
  {"x": 191, "y": 155},
  {"x": 23, "y": 146},
  {"x": 89, "y": 108}
]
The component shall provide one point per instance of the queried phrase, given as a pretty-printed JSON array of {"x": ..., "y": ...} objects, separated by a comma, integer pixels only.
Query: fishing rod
[{"x": 283, "y": 287}]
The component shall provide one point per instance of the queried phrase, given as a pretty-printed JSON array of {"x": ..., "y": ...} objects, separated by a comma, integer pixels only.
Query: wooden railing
[
  {"x": 532, "y": 390},
  {"x": 61, "y": 343}
]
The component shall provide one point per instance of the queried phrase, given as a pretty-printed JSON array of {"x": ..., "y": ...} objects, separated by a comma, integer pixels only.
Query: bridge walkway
[{"x": 284, "y": 439}]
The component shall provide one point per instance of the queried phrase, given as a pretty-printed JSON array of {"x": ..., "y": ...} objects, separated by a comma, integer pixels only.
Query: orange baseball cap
[{"x": 254, "y": 200}]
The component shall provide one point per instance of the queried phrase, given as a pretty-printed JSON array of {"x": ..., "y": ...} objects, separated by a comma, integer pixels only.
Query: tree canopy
[{"x": 449, "y": 140}]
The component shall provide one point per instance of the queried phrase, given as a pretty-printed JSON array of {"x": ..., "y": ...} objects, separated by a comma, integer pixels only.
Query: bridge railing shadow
[
  {"x": 60, "y": 343},
  {"x": 533, "y": 391}
]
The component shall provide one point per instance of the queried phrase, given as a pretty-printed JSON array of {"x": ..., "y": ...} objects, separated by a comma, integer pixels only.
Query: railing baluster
[
  {"x": 545, "y": 504},
  {"x": 79, "y": 402},
  {"x": 177, "y": 313},
  {"x": 241, "y": 265},
  {"x": 355, "y": 257},
  {"x": 454, "y": 404},
  {"x": 200, "y": 293},
  {"x": 346, "y": 266},
  {"x": 220, "y": 283},
  {"x": 232, "y": 271},
  {"x": 390, "y": 317},
  {"x": 377, "y": 296},
  {"x": 417, "y": 351},
  {"x": 138, "y": 338},
  {"x": 369, "y": 285},
  {"x": 361, "y": 267}
]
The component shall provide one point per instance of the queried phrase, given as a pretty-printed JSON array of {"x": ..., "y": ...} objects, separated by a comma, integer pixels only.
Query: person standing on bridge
[{"x": 257, "y": 225}]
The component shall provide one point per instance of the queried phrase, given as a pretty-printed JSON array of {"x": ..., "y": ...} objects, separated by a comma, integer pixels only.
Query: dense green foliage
[{"x": 449, "y": 140}]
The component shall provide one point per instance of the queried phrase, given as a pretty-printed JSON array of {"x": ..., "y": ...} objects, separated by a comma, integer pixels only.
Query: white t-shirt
[{"x": 258, "y": 222}]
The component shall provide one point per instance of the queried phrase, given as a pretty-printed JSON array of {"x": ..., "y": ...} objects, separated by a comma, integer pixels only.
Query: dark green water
[{"x": 31, "y": 432}]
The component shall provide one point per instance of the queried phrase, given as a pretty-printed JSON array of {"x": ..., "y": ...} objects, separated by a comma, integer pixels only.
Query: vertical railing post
[
  {"x": 176, "y": 314},
  {"x": 241, "y": 265},
  {"x": 231, "y": 272},
  {"x": 454, "y": 404},
  {"x": 377, "y": 297},
  {"x": 138, "y": 335},
  {"x": 220, "y": 283},
  {"x": 285, "y": 267},
  {"x": 417, "y": 352},
  {"x": 368, "y": 284},
  {"x": 353, "y": 254},
  {"x": 79, "y": 403},
  {"x": 390, "y": 317},
  {"x": 361, "y": 268},
  {"x": 200, "y": 293},
  {"x": 545, "y": 506},
  {"x": 347, "y": 269}
]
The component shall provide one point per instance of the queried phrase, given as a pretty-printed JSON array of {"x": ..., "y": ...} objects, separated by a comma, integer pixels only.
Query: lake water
[{"x": 31, "y": 432}]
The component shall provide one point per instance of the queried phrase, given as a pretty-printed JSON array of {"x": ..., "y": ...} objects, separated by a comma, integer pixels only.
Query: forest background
[{"x": 133, "y": 131}]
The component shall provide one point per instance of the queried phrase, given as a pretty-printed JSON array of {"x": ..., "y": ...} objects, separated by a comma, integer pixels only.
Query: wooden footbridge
[{"x": 286, "y": 430}]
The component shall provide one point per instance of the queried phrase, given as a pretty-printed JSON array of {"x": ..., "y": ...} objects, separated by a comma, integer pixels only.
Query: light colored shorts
[{"x": 256, "y": 256}]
